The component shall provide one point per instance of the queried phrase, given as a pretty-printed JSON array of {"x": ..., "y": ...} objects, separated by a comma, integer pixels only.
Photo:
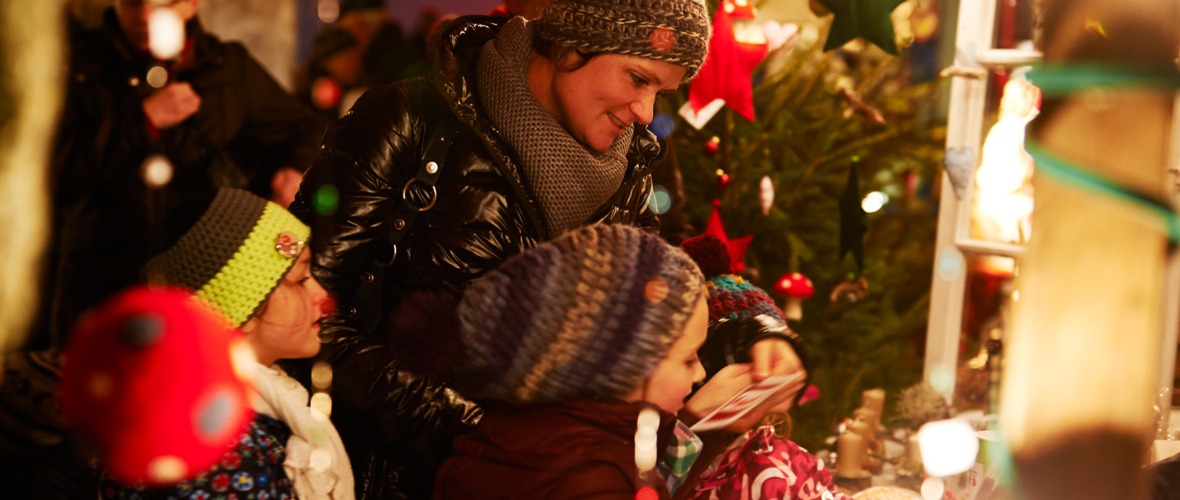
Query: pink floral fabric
[{"x": 761, "y": 466}]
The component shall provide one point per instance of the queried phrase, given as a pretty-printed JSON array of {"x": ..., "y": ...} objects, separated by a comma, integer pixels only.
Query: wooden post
[
  {"x": 1081, "y": 365},
  {"x": 31, "y": 64}
]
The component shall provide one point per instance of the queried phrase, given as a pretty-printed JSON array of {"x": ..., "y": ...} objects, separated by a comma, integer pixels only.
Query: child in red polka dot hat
[{"x": 150, "y": 378}]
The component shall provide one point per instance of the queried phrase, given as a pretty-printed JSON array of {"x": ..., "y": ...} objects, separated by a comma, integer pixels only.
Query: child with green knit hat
[{"x": 247, "y": 258}]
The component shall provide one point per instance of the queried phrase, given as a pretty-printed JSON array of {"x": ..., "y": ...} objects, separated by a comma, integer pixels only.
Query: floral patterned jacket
[
  {"x": 760, "y": 465},
  {"x": 252, "y": 470}
]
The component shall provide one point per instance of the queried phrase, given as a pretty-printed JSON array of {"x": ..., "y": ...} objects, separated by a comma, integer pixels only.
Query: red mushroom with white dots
[{"x": 796, "y": 287}]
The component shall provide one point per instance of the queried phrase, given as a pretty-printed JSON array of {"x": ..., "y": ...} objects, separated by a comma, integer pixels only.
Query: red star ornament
[
  {"x": 737, "y": 247},
  {"x": 726, "y": 73}
]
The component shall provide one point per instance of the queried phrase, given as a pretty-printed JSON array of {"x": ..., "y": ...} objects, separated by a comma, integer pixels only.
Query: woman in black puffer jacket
[{"x": 542, "y": 128}]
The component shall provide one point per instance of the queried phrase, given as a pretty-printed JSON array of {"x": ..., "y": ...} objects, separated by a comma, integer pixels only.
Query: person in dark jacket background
[
  {"x": 386, "y": 52},
  {"x": 332, "y": 73},
  {"x": 212, "y": 113}
]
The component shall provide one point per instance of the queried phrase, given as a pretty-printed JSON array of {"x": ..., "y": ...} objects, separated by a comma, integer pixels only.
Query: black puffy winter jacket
[{"x": 483, "y": 215}]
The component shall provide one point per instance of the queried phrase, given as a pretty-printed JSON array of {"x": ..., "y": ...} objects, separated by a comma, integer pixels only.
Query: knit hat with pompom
[
  {"x": 590, "y": 313},
  {"x": 730, "y": 296}
]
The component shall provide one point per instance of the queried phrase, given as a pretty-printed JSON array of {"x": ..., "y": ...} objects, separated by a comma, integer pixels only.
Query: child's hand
[
  {"x": 728, "y": 382},
  {"x": 773, "y": 357},
  {"x": 724, "y": 385}
]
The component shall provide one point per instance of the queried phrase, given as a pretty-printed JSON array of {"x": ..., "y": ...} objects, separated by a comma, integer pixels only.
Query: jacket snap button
[
  {"x": 399, "y": 224},
  {"x": 367, "y": 277},
  {"x": 431, "y": 168},
  {"x": 352, "y": 311}
]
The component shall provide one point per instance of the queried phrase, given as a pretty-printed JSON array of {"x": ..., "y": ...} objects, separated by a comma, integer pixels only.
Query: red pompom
[
  {"x": 154, "y": 378},
  {"x": 710, "y": 254}
]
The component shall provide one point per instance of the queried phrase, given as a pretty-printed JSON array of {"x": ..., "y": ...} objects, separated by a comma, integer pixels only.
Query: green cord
[
  {"x": 1064, "y": 171},
  {"x": 1058, "y": 80}
]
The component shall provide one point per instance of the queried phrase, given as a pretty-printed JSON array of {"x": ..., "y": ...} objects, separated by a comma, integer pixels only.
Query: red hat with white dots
[{"x": 152, "y": 377}]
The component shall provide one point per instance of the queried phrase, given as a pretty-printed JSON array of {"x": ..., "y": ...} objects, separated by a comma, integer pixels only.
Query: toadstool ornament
[{"x": 796, "y": 287}]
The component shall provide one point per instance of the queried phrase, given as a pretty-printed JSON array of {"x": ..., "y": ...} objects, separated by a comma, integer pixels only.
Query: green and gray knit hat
[
  {"x": 231, "y": 248},
  {"x": 673, "y": 31}
]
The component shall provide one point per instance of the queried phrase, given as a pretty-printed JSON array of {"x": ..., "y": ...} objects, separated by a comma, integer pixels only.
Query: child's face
[
  {"x": 673, "y": 380},
  {"x": 289, "y": 324}
]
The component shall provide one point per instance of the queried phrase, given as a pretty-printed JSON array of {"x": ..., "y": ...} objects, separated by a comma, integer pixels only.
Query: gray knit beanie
[
  {"x": 588, "y": 314},
  {"x": 674, "y": 31}
]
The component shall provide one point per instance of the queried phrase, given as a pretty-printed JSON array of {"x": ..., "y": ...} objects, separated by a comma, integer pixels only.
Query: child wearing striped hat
[
  {"x": 564, "y": 345},
  {"x": 247, "y": 259}
]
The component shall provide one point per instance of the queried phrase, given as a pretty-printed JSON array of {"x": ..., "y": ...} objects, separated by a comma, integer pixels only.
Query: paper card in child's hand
[{"x": 741, "y": 403}]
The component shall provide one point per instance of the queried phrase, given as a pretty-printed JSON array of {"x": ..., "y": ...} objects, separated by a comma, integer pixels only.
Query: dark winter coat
[
  {"x": 577, "y": 450},
  {"x": 484, "y": 214},
  {"x": 247, "y": 127}
]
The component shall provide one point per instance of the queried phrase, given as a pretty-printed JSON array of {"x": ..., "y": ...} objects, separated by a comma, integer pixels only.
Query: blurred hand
[
  {"x": 728, "y": 382},
  {"x": 171, "y": 105},
  {"x": 773, "y": 357},
  {"x": 724, "y": 385},
  {"x": 284, "y": 185}
]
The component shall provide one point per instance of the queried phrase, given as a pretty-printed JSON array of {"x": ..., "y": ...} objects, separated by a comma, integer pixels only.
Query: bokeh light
[
  {"x": 663, "y": 125},
  {"x": 874, "y": 201},
  {"x": 660, "y": 201},
  {"x": 646, "y": 449},
  {"x": 322, "y": 403},
  {"x": 156, "y": 171},
  {"x": 326, "y": 200},
  {"x": 933, "y": 488},
  {"x": 942, "y": 380},
  {"x": 165, "y": 33},
  {"x": 948, "y": 447},
  {"x": 656, "y": 290},
  {"x": 157, "y": 77},
  {"x": 328, "y": 10},
  {"x": 167, "y": 469},
  {"x": 321, "y": 375},
  {"x": 243, "y": 359}
]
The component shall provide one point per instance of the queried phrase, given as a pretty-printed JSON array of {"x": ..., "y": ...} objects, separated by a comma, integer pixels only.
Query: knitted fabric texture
[
  {"x": 730, "y": 296},
  {"x": 673, "y": 31},
  {"x": 569, "y": 180},
  {"x": 229, "y": 257},
  {"x": 588, "y": 314}
]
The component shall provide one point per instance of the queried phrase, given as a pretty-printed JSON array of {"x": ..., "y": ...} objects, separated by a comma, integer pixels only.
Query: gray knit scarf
[{"x": 568, "y": 179}]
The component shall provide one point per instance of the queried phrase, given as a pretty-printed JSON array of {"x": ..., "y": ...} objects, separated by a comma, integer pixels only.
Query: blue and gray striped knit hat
[{"x": 588, "y": 314}]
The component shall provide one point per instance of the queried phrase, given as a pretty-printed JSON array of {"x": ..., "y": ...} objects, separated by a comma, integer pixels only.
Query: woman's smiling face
[{"x": 597, "y": 102}]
